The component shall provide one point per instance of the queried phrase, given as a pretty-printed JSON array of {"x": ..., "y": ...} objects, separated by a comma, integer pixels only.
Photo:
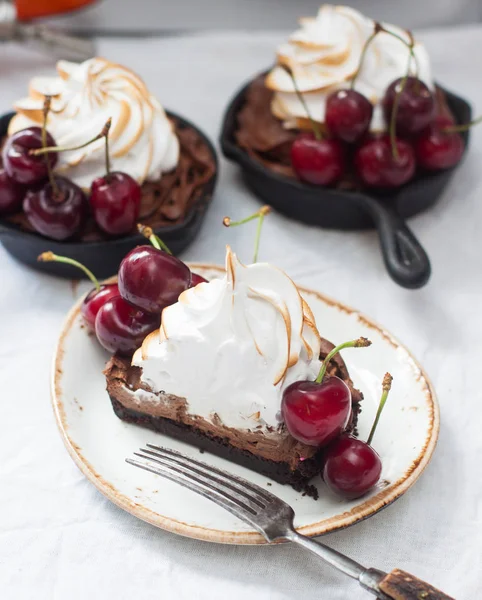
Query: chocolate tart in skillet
[
  {"x": 260, "y": 125},
  {"x": 173, "y": 202}
]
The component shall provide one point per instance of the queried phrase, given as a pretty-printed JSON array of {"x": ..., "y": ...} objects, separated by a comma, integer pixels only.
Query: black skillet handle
[{"x": 405, "y": 259}]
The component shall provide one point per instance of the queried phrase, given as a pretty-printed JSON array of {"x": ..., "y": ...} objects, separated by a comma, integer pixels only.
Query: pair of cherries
[
  {"x": 55, "y": 206},
  {"x": 122, "y": 314},
  {"x": 317, "y": 413},
  {"x": 417, "y": 136}
]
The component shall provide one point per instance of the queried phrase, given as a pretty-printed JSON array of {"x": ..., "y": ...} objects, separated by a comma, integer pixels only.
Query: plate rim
[{"x": 357, "y": 514}]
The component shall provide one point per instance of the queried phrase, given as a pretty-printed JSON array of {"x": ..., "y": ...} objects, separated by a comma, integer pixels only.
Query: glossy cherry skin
[
  {"x": 152, "y": 279},
  {"x": 348, "y": 115},
  {"x": 351, "y": 467},
  {"x": 121, "y": 328},
  {"x": 196, "y": 279},
  {"x": 11, "y": 194},
  {"x": 115, "y": 201},
  {"x": 21, "y": 166},
  {"x": 378, "y": 168},
  {"x": 436, "y": 149},
  {"x": 316, "y": 413},
  {"x": 416, "y": 106},
  {"x": 95, "y": 300},
  {"x": 57, "y": 217},
  {"x": 321, "y": 162}
]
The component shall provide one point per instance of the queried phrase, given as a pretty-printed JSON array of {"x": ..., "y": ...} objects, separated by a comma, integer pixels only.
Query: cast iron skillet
[
  {"x": 103, "y": 257},
  {"x": 405, "y": 259}
]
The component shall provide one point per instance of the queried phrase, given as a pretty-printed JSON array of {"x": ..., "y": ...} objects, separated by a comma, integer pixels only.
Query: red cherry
[
  {"x": 121, "y": 328},
  {"x": 21, "y": 166},
  {"x": 196, "y": 279},
  {"x": 152, "y": 279},
  {"x": 56, "y": 215},
  {"x": 437, "y": 149},
  {"x": 115, "y": 200},
  {"x": 316, "y": 413},
  {"x": 416, "y": 105},
  {"x": 11, "y": 194},
  {"x": 95, "y": 300},
  {"x": 348, "y": 115},
  {"x": 377, "y": 167},
  {"x": 351, "y": 467},
  {"x": 321, "y": 162}
]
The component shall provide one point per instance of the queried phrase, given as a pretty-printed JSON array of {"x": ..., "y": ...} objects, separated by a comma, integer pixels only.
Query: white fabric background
[{"x": 60, "y": 539}]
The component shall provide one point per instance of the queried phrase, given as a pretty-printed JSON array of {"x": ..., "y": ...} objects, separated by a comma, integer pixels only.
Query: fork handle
[{"x": 399, "y": 585}]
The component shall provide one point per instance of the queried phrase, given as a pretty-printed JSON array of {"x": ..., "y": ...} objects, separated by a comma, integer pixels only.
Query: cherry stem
[
  {"x": 45, "y": 150},
  {"x": 51, "y": 257},
  {"x": 314, "y": 125},
  {"x": 463, "y": 127},
  {"x": 260, "y": 215},
  {"x": 378, "y": 27},
  {"x": 359, "y": 343},
  {"x": 396, "y": 102},
  {"x": 153, "y": 238},
  {"x": 105, "y": 131},
  {"x": 53, "y": 183},
  {"x": 387, "y": 384}
]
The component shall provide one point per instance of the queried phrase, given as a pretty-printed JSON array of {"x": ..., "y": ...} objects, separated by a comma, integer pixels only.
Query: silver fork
[{"x": 273, "y": 518}]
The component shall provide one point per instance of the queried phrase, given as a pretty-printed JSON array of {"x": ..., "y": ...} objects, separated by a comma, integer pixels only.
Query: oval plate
[{"x": 99, "y": 442}]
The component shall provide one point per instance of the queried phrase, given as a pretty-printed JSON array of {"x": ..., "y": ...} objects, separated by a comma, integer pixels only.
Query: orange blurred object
[{"x": 32, "y": 9}]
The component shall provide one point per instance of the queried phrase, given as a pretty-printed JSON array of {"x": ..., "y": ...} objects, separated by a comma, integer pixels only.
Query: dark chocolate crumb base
[{"x": 280, "y": 472}]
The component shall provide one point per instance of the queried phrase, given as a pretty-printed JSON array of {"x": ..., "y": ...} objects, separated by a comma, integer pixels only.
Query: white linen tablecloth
[{"x": 59, "y": 537}]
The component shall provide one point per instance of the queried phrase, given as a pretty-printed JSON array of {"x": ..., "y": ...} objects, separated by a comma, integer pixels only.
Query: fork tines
[{"x": 240, "y": 497}]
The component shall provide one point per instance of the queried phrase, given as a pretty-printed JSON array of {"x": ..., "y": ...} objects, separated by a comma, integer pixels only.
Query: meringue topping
[
  {"x": 231, "y": 346},
  {"x": 142, "y": 140},
  {"x": 324, "y": 55}
]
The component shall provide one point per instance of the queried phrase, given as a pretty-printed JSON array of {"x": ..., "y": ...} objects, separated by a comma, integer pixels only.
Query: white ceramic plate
[{"x": 99, "y": 442}]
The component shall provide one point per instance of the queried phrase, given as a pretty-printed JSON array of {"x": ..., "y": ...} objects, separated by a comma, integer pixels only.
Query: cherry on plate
[
  {"x": 95, "y": 300},
  {"x": 351, "y": 467},
  {"x": 152, "y": 279},
  {"x": 197, "y": 279},
  {"x": 121, "y": 327},
  {"x": 315, "y": 413}
]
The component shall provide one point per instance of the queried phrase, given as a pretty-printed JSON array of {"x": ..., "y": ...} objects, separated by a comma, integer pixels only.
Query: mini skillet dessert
[
  {"x": 350, "y": 103},
  {"x": 153, "y": 170}
]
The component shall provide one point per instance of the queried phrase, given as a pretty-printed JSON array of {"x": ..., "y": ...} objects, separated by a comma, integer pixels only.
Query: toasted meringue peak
[
  {"x": 142, "y": 139},
  {"x": 231, "y": 346},
  {"x": 324, "y": 55}
]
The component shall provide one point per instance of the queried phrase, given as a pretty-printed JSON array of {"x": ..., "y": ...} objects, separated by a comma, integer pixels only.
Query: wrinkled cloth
[{"x": 60, "y": 538}]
